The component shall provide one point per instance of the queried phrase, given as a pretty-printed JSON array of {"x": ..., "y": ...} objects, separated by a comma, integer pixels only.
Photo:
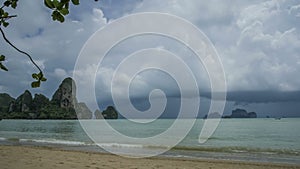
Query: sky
[{"x": 258, "y": 43}]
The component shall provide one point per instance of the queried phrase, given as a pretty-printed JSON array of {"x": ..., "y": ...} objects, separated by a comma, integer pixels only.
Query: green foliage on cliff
[
  {"x": 44, "y": 110},
  {"x": 54, "y": 112},
  {"x": 40, "y": 107},
  {"x": 5, "y": 99}
]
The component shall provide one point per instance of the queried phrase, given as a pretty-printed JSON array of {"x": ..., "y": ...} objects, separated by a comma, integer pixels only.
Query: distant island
[
  {"x": 61, "y": 106},
  {"x": 64, "y": 103},
  {"x": 237, "y": 113}
]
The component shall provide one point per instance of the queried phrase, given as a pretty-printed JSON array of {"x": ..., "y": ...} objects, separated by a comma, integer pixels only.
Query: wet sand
[{"x": 29, "y": 157}]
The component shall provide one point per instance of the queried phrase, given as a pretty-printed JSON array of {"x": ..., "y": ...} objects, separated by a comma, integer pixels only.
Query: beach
[
  {"x": 247, "y": 142},
  {"x": 30, "y": 157}
]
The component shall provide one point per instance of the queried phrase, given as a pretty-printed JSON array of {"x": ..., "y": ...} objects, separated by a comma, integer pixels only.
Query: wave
[
  {"x": 2, "y": 139},
  {"x": 46, "y": 141},
  {"x": 229, "y": 149},
  {"x": 118, "y": 145},
  {"x": 55, "y": 141},
  {"x": 266, "y": 151}
]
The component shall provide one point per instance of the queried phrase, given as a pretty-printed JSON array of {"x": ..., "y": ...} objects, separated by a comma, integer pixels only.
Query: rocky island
[
  {"x": 61, "y": 106},
  {"x": 237, "y": 113},
  {"x": 241, "y": 113}
]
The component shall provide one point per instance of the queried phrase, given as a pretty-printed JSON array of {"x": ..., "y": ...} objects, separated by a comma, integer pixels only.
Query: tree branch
[
  {"x": 4, "y": 37},
  {"x": 8, "y": 17}
]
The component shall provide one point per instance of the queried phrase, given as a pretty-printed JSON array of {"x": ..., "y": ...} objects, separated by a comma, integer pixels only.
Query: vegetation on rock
[{"x": 61, "y": 106}]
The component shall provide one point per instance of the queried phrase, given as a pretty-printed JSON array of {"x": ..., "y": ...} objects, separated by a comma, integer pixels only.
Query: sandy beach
[{"x": 27, "y": 157}]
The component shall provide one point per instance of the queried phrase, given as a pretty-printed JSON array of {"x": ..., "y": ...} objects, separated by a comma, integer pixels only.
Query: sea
[{"x": 258, "y": 140}]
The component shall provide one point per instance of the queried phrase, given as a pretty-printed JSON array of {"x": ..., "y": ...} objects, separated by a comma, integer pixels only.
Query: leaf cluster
[
  {"x": 2, "y": 58},
  {"x": 4, "y": 16},
  {"x": 39, "y": 78},
  {"x": 60, "y": 8}
]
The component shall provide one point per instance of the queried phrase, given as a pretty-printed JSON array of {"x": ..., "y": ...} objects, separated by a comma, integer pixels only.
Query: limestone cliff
[
  {"x": 5, "y": 102},
  {"x": 23, "y": 102},
  {"x": 63, "y": 105},
  {"x": 39, "y": 101},
  {"x": 65, "y": 95}
]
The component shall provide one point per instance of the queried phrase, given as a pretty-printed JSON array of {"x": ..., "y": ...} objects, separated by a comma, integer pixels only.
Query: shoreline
[
  {"x": 22, "y": 156},
  {"x": 172, "y": 153}
]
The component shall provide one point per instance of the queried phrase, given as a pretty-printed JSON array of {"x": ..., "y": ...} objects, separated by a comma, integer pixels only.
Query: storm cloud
[{"x": 258, "y": 44}]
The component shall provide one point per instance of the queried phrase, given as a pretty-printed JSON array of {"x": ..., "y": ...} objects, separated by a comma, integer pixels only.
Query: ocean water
[{"x": 235, "y": 139}]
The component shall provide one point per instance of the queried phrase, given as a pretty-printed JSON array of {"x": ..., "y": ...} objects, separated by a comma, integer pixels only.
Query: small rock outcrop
[
  {"x": 83, "y": 112},
  {"x": 98, "y": 114},
  {"x": 110, "y": 113},
  {"x": 241, "y": 113},
  {"x": 213, "y": 115},
  {"x": 252, "y": 115}
]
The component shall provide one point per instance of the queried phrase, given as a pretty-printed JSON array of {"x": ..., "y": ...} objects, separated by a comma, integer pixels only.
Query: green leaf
[
  {"x": 3, "y": 67},
  {"x": 60, "y": 6},
  {"x": 64, "y": 11},
  {"x": 1, "y": 11},
  {"x": 35, "y": 76},
  {"x": 2, "y": 58},
  {"x": 75, "y": 2},
  {"x": 35, "y": 84},
  {"x": 43, "y": 79},
  {"x": 64, "y": 1},
  {"x": 5, "y": 24},
  {"x": 14, "y": 4},
  {"x": 55, "y": 15},
  {"x": 60, "y": 18},
  {"x": 49, "y": 4},
  {"x": 40, "y": 75},
  {"x": 56, "y": 3},
  {"x": 7, "y": 3},
  {"x": 5, "y": 15},
  {"x": 67, "y": 5}
]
